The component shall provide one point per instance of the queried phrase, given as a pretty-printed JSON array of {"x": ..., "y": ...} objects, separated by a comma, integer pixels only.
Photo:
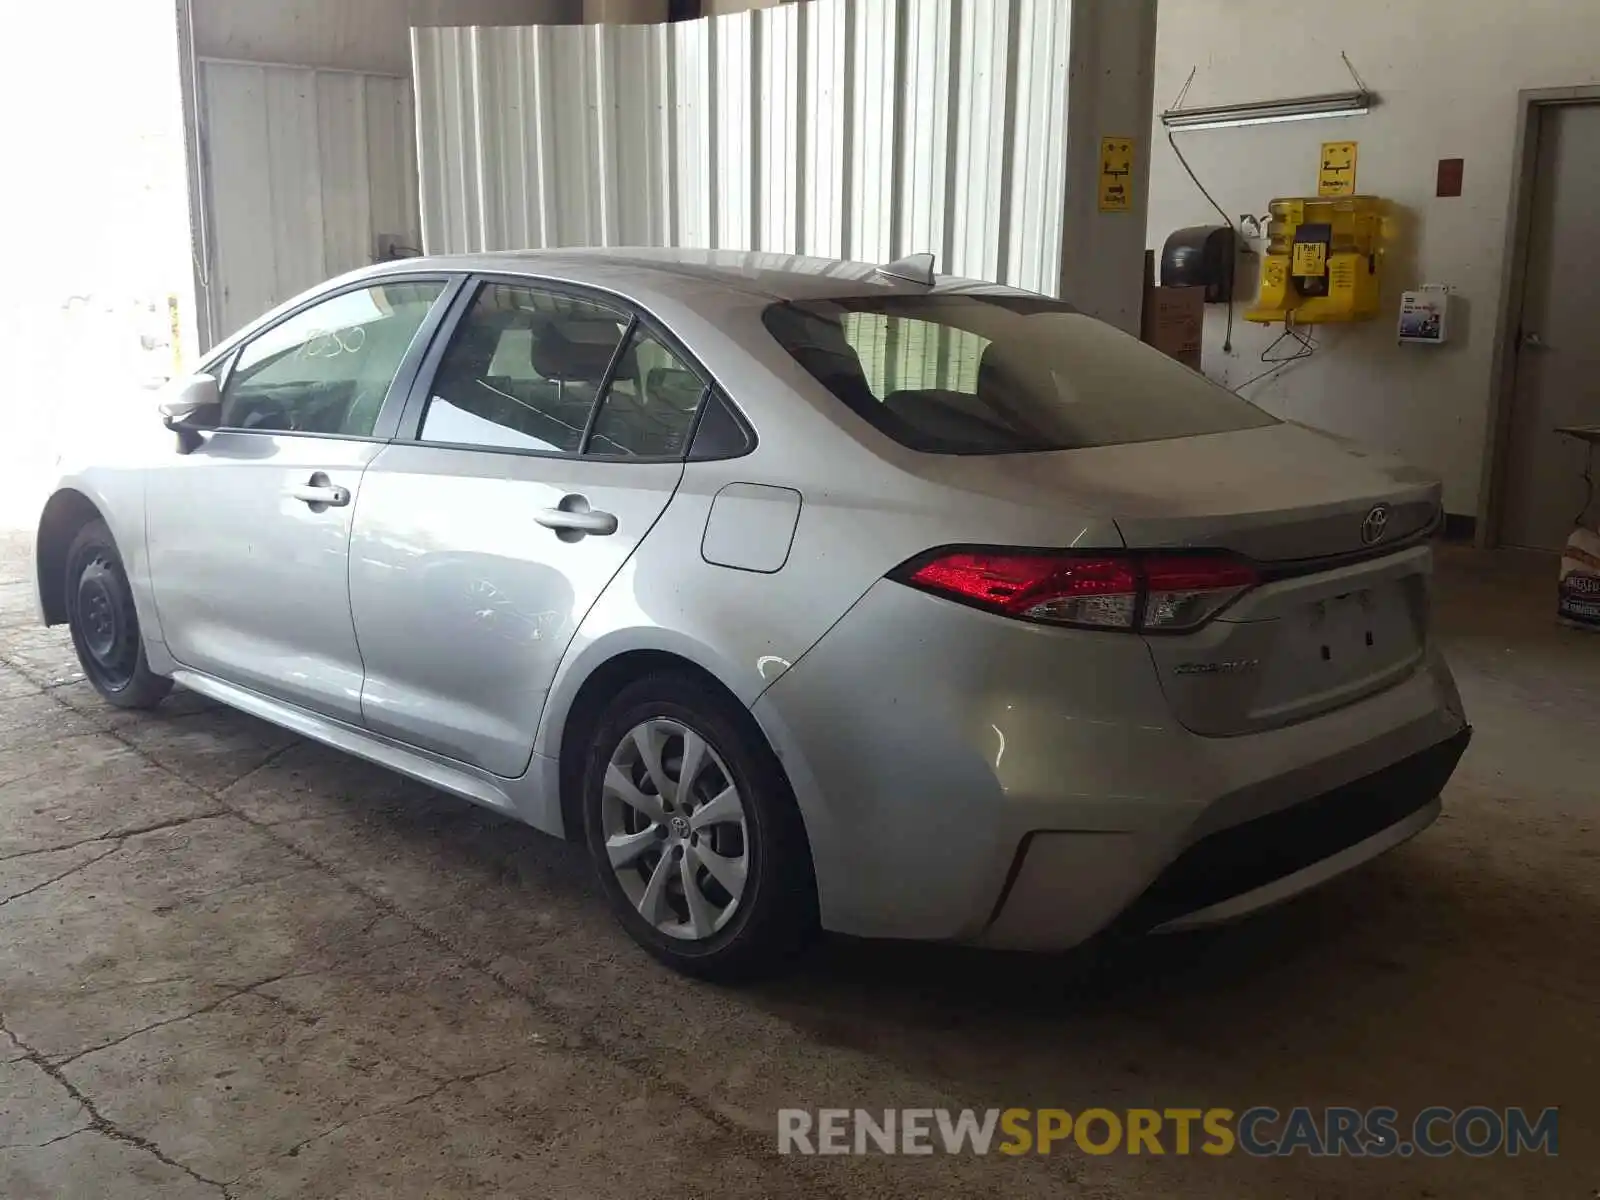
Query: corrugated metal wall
[
  {"x": 860, "y": 129},
  {"x": 303, "y": 170}
]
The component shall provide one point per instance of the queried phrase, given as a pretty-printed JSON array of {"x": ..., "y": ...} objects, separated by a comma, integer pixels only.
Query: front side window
[
  {"x": 328, "y": 368},
  {"x": 996, "y": 373},
  {"x": 523, "y": 371}
]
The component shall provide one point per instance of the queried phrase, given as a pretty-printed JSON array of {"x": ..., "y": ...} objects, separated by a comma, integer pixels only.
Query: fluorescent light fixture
[{"x": 1269, "y": 112}]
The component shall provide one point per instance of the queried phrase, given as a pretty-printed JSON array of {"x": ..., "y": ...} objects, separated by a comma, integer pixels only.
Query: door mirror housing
[{"x": 193, "y": 406}]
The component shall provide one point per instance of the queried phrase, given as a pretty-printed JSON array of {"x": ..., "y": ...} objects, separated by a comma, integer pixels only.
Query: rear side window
[
  {"x": 720, "y": 434},
  {"x": 523, "y": 371},
  {"x": 650, "y": 405},
  {"x": 999, "y": 374}
]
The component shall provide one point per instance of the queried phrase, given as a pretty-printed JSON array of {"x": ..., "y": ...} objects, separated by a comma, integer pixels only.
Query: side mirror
[{"x": 194, "y": 406}]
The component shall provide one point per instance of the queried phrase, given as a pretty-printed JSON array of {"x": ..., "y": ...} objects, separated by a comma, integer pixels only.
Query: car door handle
[
  {"x": 574, "y": 516},
  {"x": 318, "y": 491}
]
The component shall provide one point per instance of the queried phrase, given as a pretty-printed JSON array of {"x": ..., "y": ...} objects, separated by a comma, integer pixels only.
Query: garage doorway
[
  {"x": 1550, "y": 345},
  {"x": 96, "y": 311}
]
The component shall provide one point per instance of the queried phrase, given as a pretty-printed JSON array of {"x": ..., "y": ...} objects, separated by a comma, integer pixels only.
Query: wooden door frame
[{"x": 1532, "y": 104}]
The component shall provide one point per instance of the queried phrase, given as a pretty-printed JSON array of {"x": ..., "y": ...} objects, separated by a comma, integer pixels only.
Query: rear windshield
[{"x": 999, "y": 374}]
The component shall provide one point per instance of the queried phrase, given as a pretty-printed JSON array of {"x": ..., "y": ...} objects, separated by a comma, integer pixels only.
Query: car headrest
[
  {"x": 575, "y": 348},
  {"x": 989, "y": 369},
  {"x": 673, "y": 386},
  {"x": 819, "y": 345},
  {"x": 1002, "y": 377}
]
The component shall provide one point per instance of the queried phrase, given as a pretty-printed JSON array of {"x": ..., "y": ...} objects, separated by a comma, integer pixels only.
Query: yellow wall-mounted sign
[
  {"x": 1116, "y": 174},
  {"x": 1336, "y": 169}
]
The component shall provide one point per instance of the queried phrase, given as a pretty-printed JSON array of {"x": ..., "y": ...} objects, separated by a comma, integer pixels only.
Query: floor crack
[
  {"x": 42, "y": 1145},
  {"x": 209, "y": 1006},
  {"x": 58, "y": 878},
  {"x": 294, "y": 1150},
  {"x": 262, "y": 765},
  {"x": 102, "y": 1124},
  {"x": 241, "y": 884},
  {"x": 24, "y": 776},
  {"x": 124, "y": 834}
]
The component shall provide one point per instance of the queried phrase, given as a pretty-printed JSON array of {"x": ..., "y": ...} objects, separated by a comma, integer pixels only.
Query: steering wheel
[{"x": 268, "y": 416}]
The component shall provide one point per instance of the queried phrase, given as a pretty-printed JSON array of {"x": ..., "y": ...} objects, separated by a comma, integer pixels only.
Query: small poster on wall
[
  {"x": 1424, "y": 316},
  {"x": 1336, "y": 169},
  {"x": 1116, "y": 174}
]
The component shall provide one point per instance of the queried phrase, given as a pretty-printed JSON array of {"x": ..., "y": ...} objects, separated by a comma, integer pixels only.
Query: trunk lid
[
  {"x": 1342, "y": 611},
  {"x": 1300, "y": 645},
  {"x": 1339, "y": 535},
  {"x": 1277, "y": 495}
]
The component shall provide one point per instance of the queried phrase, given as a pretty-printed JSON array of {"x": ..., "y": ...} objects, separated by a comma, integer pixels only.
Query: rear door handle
[
  {"x": 572, "y": 518},
  {"x": 319, "y": 493}
]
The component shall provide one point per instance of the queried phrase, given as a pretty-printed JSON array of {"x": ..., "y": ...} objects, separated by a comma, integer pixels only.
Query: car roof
[
  {"x": 670, "y": 283},
  {"x": 677, "y": 274}
]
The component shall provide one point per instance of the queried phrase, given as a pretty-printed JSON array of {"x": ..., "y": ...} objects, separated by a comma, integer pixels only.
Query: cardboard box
[{"x": 1174, "y": 320}]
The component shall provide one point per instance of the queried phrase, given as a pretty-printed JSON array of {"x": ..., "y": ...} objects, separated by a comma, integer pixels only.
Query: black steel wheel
[{"x": 105, "y": 622}]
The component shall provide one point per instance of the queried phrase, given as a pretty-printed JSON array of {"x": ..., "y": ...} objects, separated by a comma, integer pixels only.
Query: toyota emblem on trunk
[{"x": 1372, "y": 529}]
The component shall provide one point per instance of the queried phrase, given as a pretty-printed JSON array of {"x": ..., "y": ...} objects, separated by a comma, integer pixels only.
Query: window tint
[
  {"x": 650, "y": 404},
  {"x": 994, "y": 374},
  {"x": 522, "y": 371},
  {"x": 720, "y": 434},
  {"x": 327, "y": 369}
]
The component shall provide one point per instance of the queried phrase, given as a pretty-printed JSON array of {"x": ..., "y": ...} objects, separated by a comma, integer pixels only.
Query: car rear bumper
[
  {"x": 1314, "y": 874},
  {"x": 967, "y": 777},
  {"x": 1258, "y": 863}
]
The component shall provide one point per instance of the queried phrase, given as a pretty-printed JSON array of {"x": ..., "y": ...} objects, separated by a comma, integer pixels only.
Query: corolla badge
[
  {"x": 1375, "y": 525},
  {"x": 1234, "y": 667}
]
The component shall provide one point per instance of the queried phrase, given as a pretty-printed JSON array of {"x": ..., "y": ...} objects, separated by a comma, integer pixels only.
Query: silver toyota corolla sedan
[{"x": 807, "y": 594}]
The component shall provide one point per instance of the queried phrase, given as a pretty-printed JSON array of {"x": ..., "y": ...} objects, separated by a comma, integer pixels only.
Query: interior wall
[
  {"x": 352, "y": 35},
  {"x": 1447, "y": 77}
]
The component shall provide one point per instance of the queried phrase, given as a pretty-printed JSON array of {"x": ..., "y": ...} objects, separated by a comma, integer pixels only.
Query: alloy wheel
[{"x": 674, "y": 829}]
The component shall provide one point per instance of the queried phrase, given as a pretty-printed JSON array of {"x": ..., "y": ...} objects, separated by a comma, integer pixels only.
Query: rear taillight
[
  {"x": 1151, "y": 593},
  {"x": 1185, "y": 591}
]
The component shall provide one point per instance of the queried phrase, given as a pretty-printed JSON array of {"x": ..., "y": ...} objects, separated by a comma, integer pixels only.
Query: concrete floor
[{"x": 235, "y": 962}]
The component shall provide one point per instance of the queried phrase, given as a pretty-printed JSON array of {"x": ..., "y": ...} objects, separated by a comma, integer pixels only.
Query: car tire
[
  {"x": 105, "y": 623},
  {"x": 736, "y": 835}
]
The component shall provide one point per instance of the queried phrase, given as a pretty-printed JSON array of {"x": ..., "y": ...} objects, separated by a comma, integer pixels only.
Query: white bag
[{"x": 1579, "y": 603}]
